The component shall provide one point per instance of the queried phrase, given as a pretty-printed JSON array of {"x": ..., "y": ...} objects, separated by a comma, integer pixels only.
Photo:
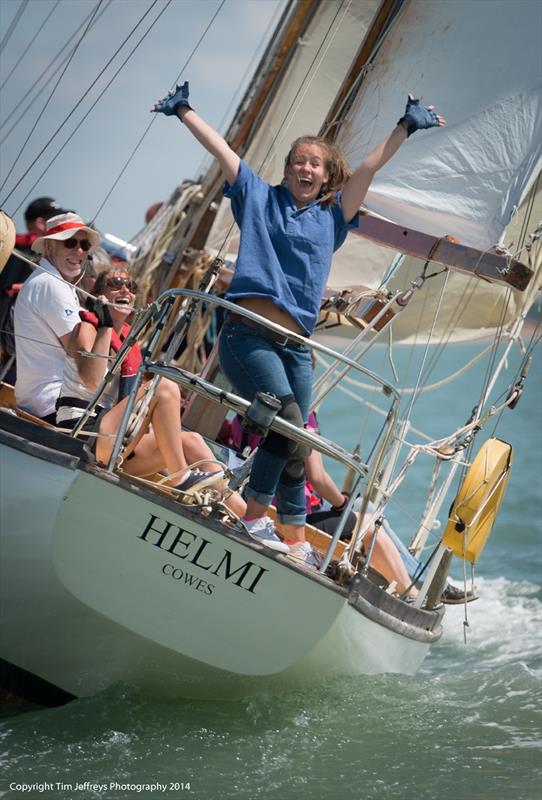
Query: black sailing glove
[
  {"x": 418, "y": 117},
  {"x": 177, "y": 98},
  {"x": 102, "y": 312}
]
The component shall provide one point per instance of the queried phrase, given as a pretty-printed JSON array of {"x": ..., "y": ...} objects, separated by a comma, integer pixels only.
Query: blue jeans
[{"x": 253, "y": 364}]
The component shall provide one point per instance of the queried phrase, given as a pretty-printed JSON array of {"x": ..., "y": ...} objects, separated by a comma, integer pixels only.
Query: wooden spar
[
  {"x": 490, "y": 266},
  {"x": 240, "y": 134},
  {"x": 335, "y": 115}
]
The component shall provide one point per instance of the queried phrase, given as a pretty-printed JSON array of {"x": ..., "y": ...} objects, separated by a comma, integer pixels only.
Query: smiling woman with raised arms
[{"x": 288, "y": 236}]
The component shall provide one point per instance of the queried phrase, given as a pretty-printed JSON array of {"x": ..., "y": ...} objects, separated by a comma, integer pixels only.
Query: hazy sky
[{"x": 89, "y": 164}]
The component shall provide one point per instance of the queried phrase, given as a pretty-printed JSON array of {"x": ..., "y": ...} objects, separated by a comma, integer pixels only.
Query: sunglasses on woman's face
[
  {"x": 72, "y": 243},
  {"x": 118, "y": 283}
]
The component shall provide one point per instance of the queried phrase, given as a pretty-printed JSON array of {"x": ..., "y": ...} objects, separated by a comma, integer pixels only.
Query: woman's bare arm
[
  {"x": 416, "y": 118},
  {"x": 357, "y": 185},
  {"x": 175, "y": 103},
  {"x": 212, "y": 141},
  {"x": 321, "y": 480}
]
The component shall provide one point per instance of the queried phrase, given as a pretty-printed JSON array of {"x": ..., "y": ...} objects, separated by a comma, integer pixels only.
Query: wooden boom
[{"x": 489, "y": 266}]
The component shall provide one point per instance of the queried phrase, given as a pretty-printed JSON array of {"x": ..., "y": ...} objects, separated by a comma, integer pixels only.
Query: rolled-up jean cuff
[
  {"x": 259, "y": 497},
  {"x": 292, "y": 519}
]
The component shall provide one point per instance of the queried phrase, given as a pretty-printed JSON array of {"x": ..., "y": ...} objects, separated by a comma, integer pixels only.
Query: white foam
[{"x": 503, "y": 625}]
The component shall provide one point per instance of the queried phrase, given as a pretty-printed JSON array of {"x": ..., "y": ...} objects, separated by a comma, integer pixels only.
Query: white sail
[
  {"x": 470, "y": 308},
  {"x": 465, "y": 180},
  {"x": 479, "y": 63}
]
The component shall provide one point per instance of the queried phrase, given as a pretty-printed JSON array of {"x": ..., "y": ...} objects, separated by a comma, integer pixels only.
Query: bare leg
[
  {"x": 147, "y": 458},
  {"x": 164, "y": 413},
  {"x": 196, "y": 449},
  {"x": 236, "y": 504},
  {"x": 388, "y": 562},
  {"x": 293, "y": 533},
  {"x": 254, "y": 509}
]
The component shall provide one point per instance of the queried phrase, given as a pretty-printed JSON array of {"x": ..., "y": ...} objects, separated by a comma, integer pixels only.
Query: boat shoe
[
  {"x": 197, "y": 480},
  {"x": 455, "y": 595},
  {"x": 262, "y": 530}
]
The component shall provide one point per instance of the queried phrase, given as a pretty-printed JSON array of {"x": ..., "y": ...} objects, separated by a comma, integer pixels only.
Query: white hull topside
[{"x": 101, "y": 584}]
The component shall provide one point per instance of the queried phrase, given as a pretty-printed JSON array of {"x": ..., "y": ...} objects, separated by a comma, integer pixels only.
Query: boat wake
[{"x": 503, "y": 629}]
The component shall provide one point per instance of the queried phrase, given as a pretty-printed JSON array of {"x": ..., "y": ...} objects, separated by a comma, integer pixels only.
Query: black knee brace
[{"x": 278, "y": 445}]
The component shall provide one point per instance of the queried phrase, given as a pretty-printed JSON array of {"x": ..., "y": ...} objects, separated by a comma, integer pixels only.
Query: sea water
[{"x": 467, "y": 726}]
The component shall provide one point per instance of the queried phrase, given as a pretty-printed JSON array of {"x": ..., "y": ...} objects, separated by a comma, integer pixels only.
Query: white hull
[{"x": 103, "y": 582}]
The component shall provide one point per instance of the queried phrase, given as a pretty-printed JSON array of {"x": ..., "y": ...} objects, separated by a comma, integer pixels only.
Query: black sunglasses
[
  {"x": 118, "y": 283},
  {"x": 72, "y": 243}
]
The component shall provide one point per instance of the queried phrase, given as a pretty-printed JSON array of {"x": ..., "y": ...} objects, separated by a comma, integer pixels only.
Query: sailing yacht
[{"x": 106, "y": 577}]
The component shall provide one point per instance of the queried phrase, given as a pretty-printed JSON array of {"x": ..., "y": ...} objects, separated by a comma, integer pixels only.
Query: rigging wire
[
  {"x": 207, "y": 159},
  {"x": 416, "y": 392},
  {"x": 454, "y": 320},
  {"x": 309, "y": 71},
  {"x": 417, "y": 336},
  {"x": 427, "y": 387},
  {"x": 27, "y": 106},
  {"x": 496, "y": 343},
  {"x": 14, "y": 22},
  {"x": 72, "y": 134},
  {"x": 462, "y": 304},
  {"x": 85, "y": 94},
  {"x": 153, "y": 119},
  {"x": 527, "y": 218},
  {"x": 42, "y": 112},
  {"x": 25, "y": 49},
  {"x": 491, "y": 372}
]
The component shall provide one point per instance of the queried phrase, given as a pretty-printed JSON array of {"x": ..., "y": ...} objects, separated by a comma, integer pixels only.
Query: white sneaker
[
  {"x": 262, "y": 530},
  {"x": 302, "y": 551}
]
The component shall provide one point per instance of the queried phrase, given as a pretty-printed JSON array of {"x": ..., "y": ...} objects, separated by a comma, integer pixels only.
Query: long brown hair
[{"x": 335, "y": 164}]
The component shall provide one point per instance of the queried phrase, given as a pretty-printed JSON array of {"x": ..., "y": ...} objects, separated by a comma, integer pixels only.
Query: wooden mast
[
  {"x": 258, "y": 97},
  {"x": 386, "y": 11}
]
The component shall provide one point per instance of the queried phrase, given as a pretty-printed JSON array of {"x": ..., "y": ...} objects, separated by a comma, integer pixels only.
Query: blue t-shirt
[{"x": 285, "y": 252}]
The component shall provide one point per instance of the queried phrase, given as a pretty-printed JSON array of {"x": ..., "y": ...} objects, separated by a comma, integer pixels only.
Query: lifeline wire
[
  {"x": 27, "y": 106},
  {"x": 151, "y": 123},
  {"x": 42, "y": 112},
  {"x": 27, "y": 47},
  {"x": 83, "y": 97}
]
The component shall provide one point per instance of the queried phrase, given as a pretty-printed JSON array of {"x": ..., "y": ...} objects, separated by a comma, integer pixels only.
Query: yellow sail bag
[{"x": 475, "y": 508}]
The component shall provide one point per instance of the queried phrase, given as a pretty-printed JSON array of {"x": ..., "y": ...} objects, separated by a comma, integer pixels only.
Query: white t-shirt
[
  {"x": 73, "y": 386},
  {"x": 46, "y": 309}
]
